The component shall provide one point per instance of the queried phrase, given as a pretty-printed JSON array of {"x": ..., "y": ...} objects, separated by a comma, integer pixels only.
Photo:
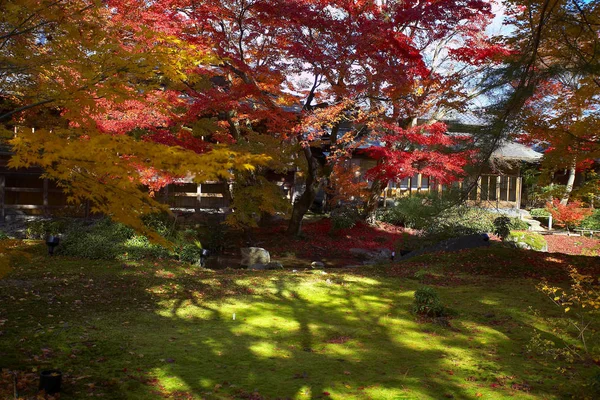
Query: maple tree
[
  {"x": 569, "y": 215},
  {"x": 87, "y": 76},
  {"x": 354, "y": 52},
  {"x": 253, "y": 84},
  {"x": 561, "y": 116},
  {"x": 553, "y": 71}
]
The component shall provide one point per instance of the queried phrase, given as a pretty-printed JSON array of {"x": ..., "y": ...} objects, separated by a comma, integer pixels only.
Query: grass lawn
[{"x": 166, "y": 330}]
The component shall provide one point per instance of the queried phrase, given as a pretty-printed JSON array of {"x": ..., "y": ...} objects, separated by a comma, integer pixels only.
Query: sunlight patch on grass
[
  {"x": 295, "y": 335},
  {"x": 489, "y": 302},
  {"x": 173, "y": 383},
  {"x": 304, "y": 392},
  {"x": 268, "y": 350}
]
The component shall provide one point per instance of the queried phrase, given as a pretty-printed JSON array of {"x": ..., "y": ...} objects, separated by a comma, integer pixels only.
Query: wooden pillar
[
  {"x": 508, "y": 189},
  {"x": 2, "y": 209},
  {"x": 166, "y": 195},
  {"x": 498, "y": 182},
  {"x": 45, "y": 198},
  {"x": 410, "y": 186},
  {"x": 518, "y": 192},
  {"x": 478, "y": 197},
  {"x": 87, "y": 209},
  {"x": 419, "y": 182},
  {"x": 199, "y": 197}
]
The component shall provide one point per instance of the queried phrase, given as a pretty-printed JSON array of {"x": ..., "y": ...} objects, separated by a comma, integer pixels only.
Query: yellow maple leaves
[{"x": 105, "y": 169}]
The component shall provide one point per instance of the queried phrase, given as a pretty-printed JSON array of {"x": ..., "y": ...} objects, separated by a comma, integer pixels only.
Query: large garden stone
[
  {"x": 372, "y": 256},
  {"x": 254, "y": 255},
  {"x": 528, "y": 241},
  {"x": 317, "y": 264}
]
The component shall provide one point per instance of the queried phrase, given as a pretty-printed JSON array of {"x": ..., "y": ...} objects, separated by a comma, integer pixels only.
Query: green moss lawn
[{"x": 160, "y": 329}]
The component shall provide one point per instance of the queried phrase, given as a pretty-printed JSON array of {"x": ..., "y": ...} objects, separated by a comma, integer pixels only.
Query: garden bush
[
  {"x": 539, "y": 212},
  {"x": 138, "y": 247},
  {"x": 592, "y": 221},
  {"x": 411, "y": 212},
  {"x": 102, "y": 239},
  {"x": 40, "y": 228},
  {"x": 542, "y": 194},
  {"x": 107, "y": 240},
  {"x": 427, "y": 303},
  {"x": 517, "y": 224},
  {"x": 459, "y": 221},
  {"x": 162, "y": 223}
]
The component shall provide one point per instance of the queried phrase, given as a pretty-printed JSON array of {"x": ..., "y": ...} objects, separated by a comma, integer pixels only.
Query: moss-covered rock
[{"x": 528, "y": 240}]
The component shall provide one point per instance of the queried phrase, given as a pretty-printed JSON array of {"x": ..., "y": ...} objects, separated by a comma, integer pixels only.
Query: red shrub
[{"x": 569, "y": 215}]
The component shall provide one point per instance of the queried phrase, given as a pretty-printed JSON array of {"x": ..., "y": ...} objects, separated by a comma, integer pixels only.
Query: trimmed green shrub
[
  {"x": 103, "y": 239},
  {"x": 517, "y": 224},
  {"x": 592, "y": 221},
  {"x": 107, "y": 240},
  {"x": 459, "y": 221},
  {"x": 427, "y": 303},
  {"x": 138, "y": 247},
  {"x": 539, "y": 212},
  {"x": 411, "y": 212}
]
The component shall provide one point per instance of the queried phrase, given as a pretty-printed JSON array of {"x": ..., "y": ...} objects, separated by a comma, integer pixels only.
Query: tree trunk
[
  {"x": 303, "y": 203},
  {"x": 372, "y": 203},
  {"x": 570, "y": 182}
]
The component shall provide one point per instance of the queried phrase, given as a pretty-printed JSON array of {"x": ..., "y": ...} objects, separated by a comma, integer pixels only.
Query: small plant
[
  {"x": 3, "y": 235},
  {"x": 581, "y": 303},
  {"x": 191, "y": 252},
  {"x": 421, "y": 274},
  {"x": 344, "y": 218},
  {"x": 546, "y": 347},
  {"x": 427, "y": 303},
  {"x": 502, "y": 227}
]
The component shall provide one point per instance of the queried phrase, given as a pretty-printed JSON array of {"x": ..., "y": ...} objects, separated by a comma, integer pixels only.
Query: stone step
[{"x": 535, "y": 225}]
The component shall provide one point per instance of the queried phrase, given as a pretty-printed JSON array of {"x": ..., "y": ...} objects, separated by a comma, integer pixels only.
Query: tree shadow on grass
[
  {"x": 288, "y": 345},
  {"x": 305, "y": 336}
]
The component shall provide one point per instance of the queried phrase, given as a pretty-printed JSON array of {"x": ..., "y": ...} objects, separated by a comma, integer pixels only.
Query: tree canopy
[{"x": 125, "y": 93}]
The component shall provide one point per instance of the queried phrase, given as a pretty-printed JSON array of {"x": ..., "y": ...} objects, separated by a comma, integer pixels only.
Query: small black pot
[{"x": 50, "y": 381}]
